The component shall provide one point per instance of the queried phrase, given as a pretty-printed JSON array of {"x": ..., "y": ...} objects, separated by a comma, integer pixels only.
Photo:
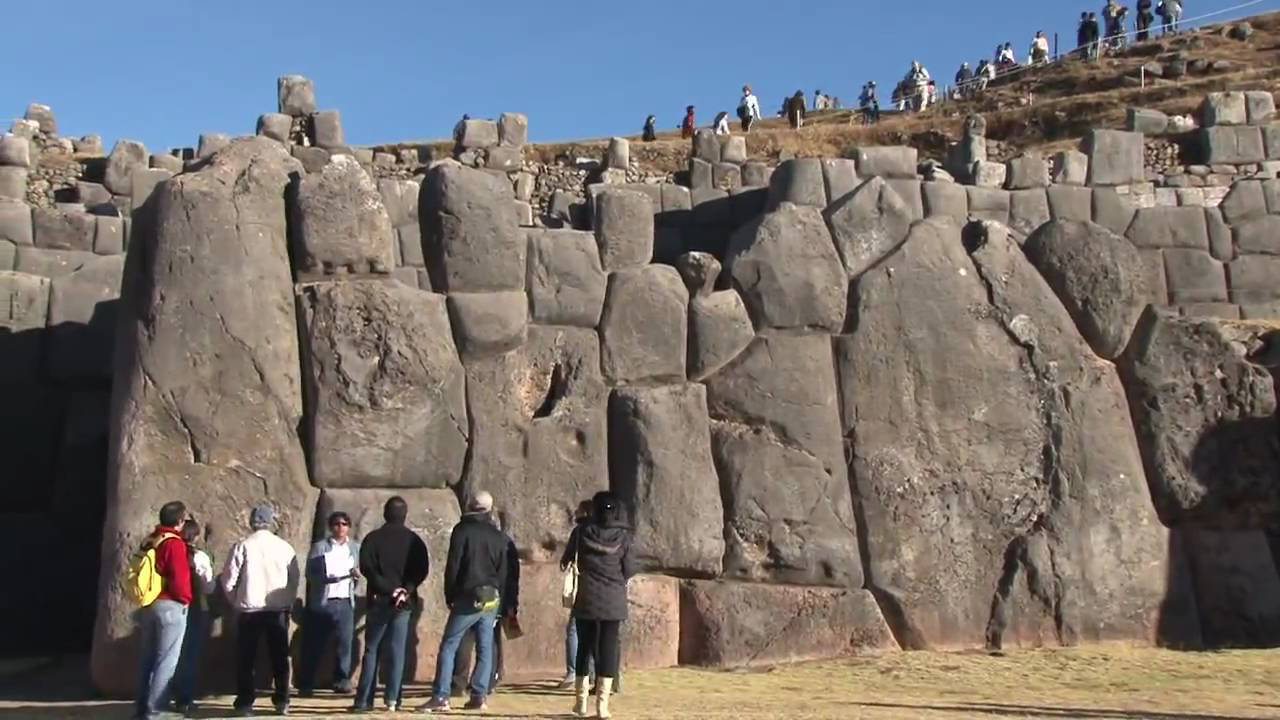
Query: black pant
[
  {"x": 462, "y": 662},
  {"x": 273, "y": 626},
  {"x": 598, "y": 639}
]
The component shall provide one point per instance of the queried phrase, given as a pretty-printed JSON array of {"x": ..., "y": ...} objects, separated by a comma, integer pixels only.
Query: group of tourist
[
  {"x": 174, "y": 581},
  {"x": 1091, "y": 41}
]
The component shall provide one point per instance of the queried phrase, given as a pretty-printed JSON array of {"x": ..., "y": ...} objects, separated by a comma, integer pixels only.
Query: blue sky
[{"x": 163, "y": 71}]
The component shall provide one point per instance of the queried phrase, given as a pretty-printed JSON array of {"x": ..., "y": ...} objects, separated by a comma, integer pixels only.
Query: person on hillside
[
  {"x": 394, "y": 562},
  {"x": 1113, "y": 14},
  {"x": 650, "y": 129},
  {"x": 721, "y": 124},
  {"x": 1095, "y": 36},
  {"x": 203, "y": 584},
  {"x": 460, "y": 129},
  {"x": 332, "y": 573},
  {"x": 964, "y": 81},
  {"x": 474, "y": 580},
  {"x": 869, "y": 104},
  {"x": 1006, "y": 59},
  {"x": 1039, "y": 48},
  {"x": 985, "y": 73},
  {"x": 689, "y": 125},
  {"x": 748, "y": 109},
  {"x": 918, "y": 86},
  {"x": 1144, "y": 20},
  {"x": 602, "y": 550},
  {"x": 163, "y": 623},
  {"x": 1082, "y": 35},
  {"x": 1171, "y": 14},
  {"x": 261, "y": 580},
  {"x": 796, "y": 110}
]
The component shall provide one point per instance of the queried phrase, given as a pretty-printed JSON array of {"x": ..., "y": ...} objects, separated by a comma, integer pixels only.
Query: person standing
[
  {"x": 261, "y": 580},
  {"x": 203, "y": 584},
  {"x": 394, "y": 562},
  {"x": 1095, "y": 36},
  {"x": 750, "y": 109},
  {"x": 650, "y": 129},
  {"x": 580, "y": 517},
  {"x": 332, "y": 574},
  {"x": 1145, "y": 18},
  {"x": 1039, "y": 48},
  {"x": 602, "y": 550},
  {"x": 796, "y": 110},
  {"x": 507, "y": 613},
  {"x": 474, "y": 579},
  {"x": 689, "y": 125},
  {"x": 163, "y": 622}
]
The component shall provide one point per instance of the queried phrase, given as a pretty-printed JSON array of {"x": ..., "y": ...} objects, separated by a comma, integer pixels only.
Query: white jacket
[
  {"x": 261, "y": 573},
  {"x": 753, "y": 105}
]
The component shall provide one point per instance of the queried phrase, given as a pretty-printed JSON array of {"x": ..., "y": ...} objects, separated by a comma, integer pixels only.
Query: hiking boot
[
  {"x": 359, "y": 709},
  {"x": 605, "y": 689},
  {"x": 475, "y": 703},
  {"x": 343, "y": 689},
  {"x": 436, "y": 705},
  {"x": 282, "y": 708},
  {"x": 580, "y": 690},
  {"x": 394, "y": 707},
  {"x": 567, "y": 683}
]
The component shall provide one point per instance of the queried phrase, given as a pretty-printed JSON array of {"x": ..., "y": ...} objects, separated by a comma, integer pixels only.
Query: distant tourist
[
  {"x": 601, "y": 549},
  {"x": 261, "y": 580},
  {"x": 1082, "y": 34},
  {"x": 721, "y": 123},
  {"x": 474, "y": 581},
  {"x": 1095, "y": 35},
  {"x": 332, "y": 573},
  {"x": 869, "y": 103},
  {"x": 460, "y": 129},
  {"x": 1006, "y": 59},
  {"x": 1145, "y": 17},
  {"x": 796, "y": 110},
  {"x": 689, "y": 125},
  {"x": 748, "y": 109},
  {"x": 203, "y": 584},
  {"x": 1171, "y": 13},
  {"x": 650, "y": 129},
  {"x": 964, "y": 81},
  {"x": 1039, "y": 48},
  {"x": 164, "y": 592},
  {"x": 1113, "y": 15},
  {"x": 394, "y": 562}
]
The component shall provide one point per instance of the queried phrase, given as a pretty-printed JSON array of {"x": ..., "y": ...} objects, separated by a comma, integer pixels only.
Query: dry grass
[{"x": 1112, "y": 681}]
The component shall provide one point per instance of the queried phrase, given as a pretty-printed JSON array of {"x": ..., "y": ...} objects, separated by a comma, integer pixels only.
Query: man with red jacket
[{"x": 164, "y": 622}]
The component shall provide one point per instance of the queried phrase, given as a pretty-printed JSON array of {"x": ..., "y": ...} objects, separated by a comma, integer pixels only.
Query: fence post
[{"x": 1056, "y": 54}]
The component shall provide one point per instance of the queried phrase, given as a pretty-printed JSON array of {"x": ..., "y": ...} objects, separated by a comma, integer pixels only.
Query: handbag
[{"x": 569, "y": 590}]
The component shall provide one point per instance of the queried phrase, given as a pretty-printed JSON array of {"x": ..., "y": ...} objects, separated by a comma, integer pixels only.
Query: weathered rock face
[
  {"x": 774, "y": 416},
  {"x": 868, "y": 224},
  {"x": 538, "y": 433},
  {"x": 786, "y": 268},
  {"x": 470, "y": 237},
  {"x": 341, "y": 224},
  {"x": 961, "y": 428},
  {"x": 644, "y": 327},
  {"x": 660, "y": 463},
  {"x": 719, "y": 329},
  {"x": 565, "y": 280},
  {"x": 1204, "y": 407},
  {"x": 733, "y": 625},
  {"x": 218, "y": 435},
  {"x": 385, "y": 389},
  {"x": 1097, "y": 275},
  {"x": 82, "y": 318}
]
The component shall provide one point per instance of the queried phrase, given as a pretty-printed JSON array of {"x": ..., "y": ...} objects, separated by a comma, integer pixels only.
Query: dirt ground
[{"x": 1117, "y": 682}]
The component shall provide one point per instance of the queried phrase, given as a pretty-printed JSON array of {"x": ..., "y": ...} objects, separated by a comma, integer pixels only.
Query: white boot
[
  {"x": 581, "y": 689},
  {"x": 604, "y": 689}
]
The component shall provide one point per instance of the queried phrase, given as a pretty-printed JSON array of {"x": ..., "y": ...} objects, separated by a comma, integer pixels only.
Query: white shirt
[
  {"x": 261, "y": 573},
  {"x": 722, "y": 126},
  {"x": 339, "y": 563},
  {"x": 203, "y": 568},
  {"x": 753, "y": 105}
]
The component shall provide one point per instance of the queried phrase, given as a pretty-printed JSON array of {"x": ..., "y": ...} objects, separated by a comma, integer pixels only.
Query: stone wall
[{"x": 905, "y": 411}]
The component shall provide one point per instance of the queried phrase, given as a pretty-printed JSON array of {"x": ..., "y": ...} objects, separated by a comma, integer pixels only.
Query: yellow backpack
[{"x": 145, "y": 582}]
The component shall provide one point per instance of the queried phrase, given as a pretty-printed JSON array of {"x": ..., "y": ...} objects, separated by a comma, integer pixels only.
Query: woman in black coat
[{"x": 601, "y": 547}]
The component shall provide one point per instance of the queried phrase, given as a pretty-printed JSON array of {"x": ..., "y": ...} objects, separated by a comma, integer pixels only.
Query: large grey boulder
[
  {"x": 384, "y": 385},
  {"x": 1237, "y": 596},
  {"x": 1232, "y": 145},
  {"x": 82, "y": 320},
  {"x": 62, "y": 229},
  {"x": 1168, "y": 227},
  {"x": 725, "y": 624},
  {"x": 1244, "y": 201},
  {"x": 1070, "y": 203},
  {"x": 1203, "y": 404},
  {"x": 719, "y": 329},
  {"x": 340, "y": 223},
  {"x": 868, "y": 224},
  {"x": 799, "y": 181},
  {"x": 565, "y": 281},
  {"x": 1098, "y": 277},
  {"x": 774, "y": 416},
  {"x": 1070, "y": 167},
  {"x": 786, "y": 267},
  {"x": 886, "y": 161},
  {"x": 538, "y": 433},
  {"x": 1028, "y": 210},
  {"x": 15, "y": 151},
  {"x": 126, "y": 156},
  {"x": 1260, "y": 106},
  {"x": 840, "y": 176},
  {"x": 1027, "y": 171},
  {"x": 1145, "y": 121},
  {"x": 624, "y": 229},
  {"x": 706, "y": 145},
  {"x": 943, "y": 199},
  {"x": 1223, "y": 108},
  {"x": 489, "y": 323},
  {"x": 470, "y": 236},
  {"x": 22, "y": 318},
  {"x": 15, "y": 223},
  {"x": 276, "y": 126},
  {"x": 660, "y": 464},
  {"x": 513, "y": 129},
  {"x": 1115, "y": 157},
  {"x": 42, "y": 116},
  {"x": 207, "y": 388},
  {"x": 644, "y": 326},
  {"x": 296, "y": 95}
]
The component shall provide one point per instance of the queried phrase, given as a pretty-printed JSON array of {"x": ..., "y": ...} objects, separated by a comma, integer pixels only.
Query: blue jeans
[
  {"x": 381, "y": 618},
  {"x": 571, "y": 648},
  {"x": 481, "y": 624},
  {"x": 163, "y": 623},
  {"x": 334, "y": 616},
  {"x": 184, "y": 682}
]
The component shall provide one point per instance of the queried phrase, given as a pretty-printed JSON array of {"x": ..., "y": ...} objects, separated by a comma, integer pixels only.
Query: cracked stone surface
[
  {"x": 386, "y": 392},
  {"x": 340, "y": 223},
  {"x": 208, "y": 394},
  {"x": 471, "y": 239}
]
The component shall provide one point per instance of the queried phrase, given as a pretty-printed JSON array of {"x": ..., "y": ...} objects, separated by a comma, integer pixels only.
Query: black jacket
[
  {"x": 603, "y": 554},
  {"x": 393, "y": 556},
  {"x": 477, "y": 558}
]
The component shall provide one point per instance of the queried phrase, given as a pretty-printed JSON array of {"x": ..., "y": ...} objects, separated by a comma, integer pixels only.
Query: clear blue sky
[{"x": 163, "y": 71}]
